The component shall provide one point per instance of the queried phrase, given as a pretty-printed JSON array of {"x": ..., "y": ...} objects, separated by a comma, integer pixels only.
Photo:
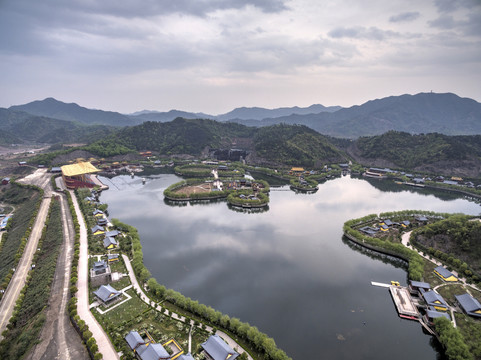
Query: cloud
[
  {"x": 449, "y": 6},
  {"x": 405, "y": 17},
  {"x": 443, "y": 22},
  {"x": 359, "y": 32}
]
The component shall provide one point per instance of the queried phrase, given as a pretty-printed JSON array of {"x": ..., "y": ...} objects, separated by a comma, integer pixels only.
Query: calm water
[{"x": 287, "y": 270}]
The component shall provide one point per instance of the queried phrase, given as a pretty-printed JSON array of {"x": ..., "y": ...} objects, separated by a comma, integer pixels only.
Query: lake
[{"x": 287, "y": 270}]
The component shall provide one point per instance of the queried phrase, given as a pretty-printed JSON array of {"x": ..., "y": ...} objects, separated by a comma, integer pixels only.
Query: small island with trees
[{"x": 239, "y": 191}]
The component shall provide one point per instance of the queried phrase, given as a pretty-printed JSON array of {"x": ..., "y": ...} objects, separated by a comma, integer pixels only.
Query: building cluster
[
  {"x": 100, "y": 272},
  {"x": 386, "y": 224},
  {"x": 381, "y": 173},
  {"x": 435, "y": 305},
  {"x": 145, "y": 348}
]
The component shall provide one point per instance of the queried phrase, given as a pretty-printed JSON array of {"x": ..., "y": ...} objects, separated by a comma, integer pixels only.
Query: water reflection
[
  {"x": 285, "y": 270},
  {"x": 248, "y": 210},
  {"x": 386, "y": 259}
]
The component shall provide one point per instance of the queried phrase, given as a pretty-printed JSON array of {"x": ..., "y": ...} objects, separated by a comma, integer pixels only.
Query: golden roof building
[{"x": 78, "y": 175}]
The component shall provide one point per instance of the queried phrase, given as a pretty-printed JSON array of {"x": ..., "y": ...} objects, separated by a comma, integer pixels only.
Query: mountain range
[{"x": 416, "y": 114}]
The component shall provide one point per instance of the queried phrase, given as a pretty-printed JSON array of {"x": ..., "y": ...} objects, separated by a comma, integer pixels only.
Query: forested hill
[
  {"x": 182, "y": 136},
  {"x": 281, "y": 144},
  {"x": 435, "y": 153},
  {"x": 18, "y": 127},
  {"x": 295, "y": 145}
]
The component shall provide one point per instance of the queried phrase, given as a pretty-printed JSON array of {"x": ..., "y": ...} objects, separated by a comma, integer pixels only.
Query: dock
[
  {"x": 373, "y": 283},
  {"x": 97, "y": 182},
  {"x": 404, "y": 303}
]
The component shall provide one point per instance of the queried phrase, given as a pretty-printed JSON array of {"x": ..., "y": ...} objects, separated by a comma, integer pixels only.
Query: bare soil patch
[{"x": 195, "y": 189}]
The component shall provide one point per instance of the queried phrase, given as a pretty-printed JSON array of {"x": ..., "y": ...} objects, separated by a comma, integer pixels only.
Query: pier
[{"x": 404, "y": 303}]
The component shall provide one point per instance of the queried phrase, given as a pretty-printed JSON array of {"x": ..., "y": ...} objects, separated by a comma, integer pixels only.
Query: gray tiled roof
[
  {"x": 420, "y": 284},
  {"x": 97, "y": 228},
  {"x": 152, "y": 352},
  {"x": 469, "y": 304},
  {"x": 432, "y": 314},
  {"x": 431, "y": 297},
  {"x": 218, "y": 348},
  {"x": 134, "y": 339},
  {"x": 100, "y": 265},
  {"x": 187, "y": 356},
  {"x": 444, "y": 272},
  {"x": 109, "y": 241},
  {"x": 107, "y": 293}
]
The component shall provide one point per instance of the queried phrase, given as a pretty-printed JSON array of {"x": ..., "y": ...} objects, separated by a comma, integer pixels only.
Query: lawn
[
  {"x": 429, "y": 275},
  {"x": 449, "y": 290}
]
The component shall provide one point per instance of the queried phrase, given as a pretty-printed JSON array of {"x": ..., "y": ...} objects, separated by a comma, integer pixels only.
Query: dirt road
[
  {"x": 18, "y": 280},
  {"x": 58, "y": 339}
]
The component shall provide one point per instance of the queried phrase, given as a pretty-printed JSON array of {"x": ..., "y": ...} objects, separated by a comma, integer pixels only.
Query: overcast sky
[{"x": 214, "y": 55}]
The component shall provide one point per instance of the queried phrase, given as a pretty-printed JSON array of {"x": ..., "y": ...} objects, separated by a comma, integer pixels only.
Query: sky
[{"x": 212, "y": 56}]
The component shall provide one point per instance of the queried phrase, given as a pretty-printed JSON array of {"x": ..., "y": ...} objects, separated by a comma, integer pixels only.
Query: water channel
[{"x": 287, "y": 270}]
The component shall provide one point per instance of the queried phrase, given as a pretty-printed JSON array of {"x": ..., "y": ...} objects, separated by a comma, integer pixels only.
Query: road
[
  {"x": 58, "y": 339},
  {"x": 105, "y": 346},
  {"x": 18, "y": 280},
  {"x": 57, "y": 329}
]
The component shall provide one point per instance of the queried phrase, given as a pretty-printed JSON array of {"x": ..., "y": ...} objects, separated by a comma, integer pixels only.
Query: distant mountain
[
  {"x": 167, "y": 116},
  {"x": 55, "y": 109},
  {"x": 243, "y": 113},
  {"x": 422, "y": 113},
  {"x": 19, "y": 126},
  {"x": 257, "y": 113}
]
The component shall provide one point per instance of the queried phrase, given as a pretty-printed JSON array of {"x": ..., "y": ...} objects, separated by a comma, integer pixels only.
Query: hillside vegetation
[
  {"x": 181, "y": 136},
  {"x": 18, "y": 127},
  {"x": 433, "y": 152},
  {"x": 281, "y": 144},
  {"x": 294, "y": 145},
  {"x": 55, "y": 109},
  {"x": 457, "y": 237}
]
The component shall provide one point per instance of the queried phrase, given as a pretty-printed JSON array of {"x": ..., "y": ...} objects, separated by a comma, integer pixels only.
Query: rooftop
[
  {"x": 107, "y": 293},
  {"x": 152, "y": 352},
  {"x": 79, "y": 169},
  {"x": 469, "y": 304},
  {"x": 218, "y": 349}
]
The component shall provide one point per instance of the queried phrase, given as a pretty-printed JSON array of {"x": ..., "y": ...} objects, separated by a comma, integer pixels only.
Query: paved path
[
  {"x": 18, "y": 280},
  {"x": 405, "y": 239},
  {"x": 105, "y": 346},
  {"x": 232, "y": 343}
]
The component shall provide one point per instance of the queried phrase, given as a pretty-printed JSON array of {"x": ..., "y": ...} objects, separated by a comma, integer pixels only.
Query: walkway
[
  {"x": 405, "y": 239},
  {"x": 232, "y": 343},
  {"x": 18, "y": 280},
  {"x": 105, "y": 346}
]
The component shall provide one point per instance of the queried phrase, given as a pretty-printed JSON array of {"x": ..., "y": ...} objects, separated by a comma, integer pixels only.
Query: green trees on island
[{"x": 452, "y": 340}]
